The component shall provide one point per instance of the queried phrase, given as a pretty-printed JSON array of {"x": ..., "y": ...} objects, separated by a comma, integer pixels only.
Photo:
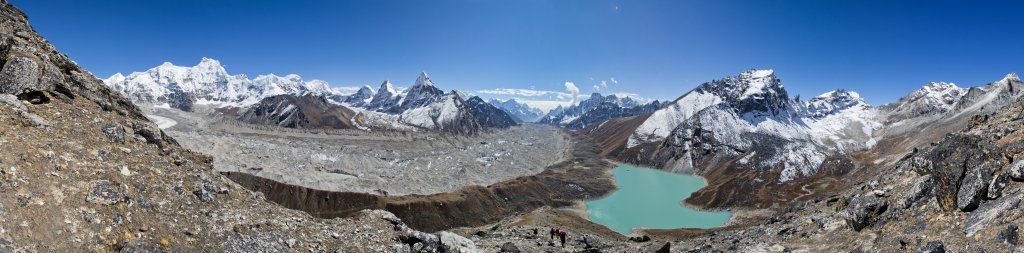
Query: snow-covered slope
[
  {"x": 751, "y": 91},
  {"x": 208, "y": 83},
  {"x": 751, "y": 119}
]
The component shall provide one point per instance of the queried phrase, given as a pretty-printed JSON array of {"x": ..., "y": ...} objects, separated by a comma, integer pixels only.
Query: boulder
[
  {"x": 949, "y": 160},
  {"x": 995, "y": 188},
  {"x": 20, "y": 75},
  {"x": 974, "y": 185},
  {"x": 982, "y": 217},
  {"x": 921, "y": 190},
  {"x": 933, "y": 247},
  {"x": 421, "y": 241},
  {"x": 864, "y": 210},
  {"x": 1016, "y": 169},
  {"x": 451, "y": 242},
  {"x": 509, "y": 247}
]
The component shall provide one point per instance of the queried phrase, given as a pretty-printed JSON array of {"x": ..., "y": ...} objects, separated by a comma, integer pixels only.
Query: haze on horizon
[{"x": 655, "y": 49}]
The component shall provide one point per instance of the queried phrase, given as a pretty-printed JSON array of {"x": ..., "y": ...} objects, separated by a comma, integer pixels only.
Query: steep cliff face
[{"x": 84, "y": 170}]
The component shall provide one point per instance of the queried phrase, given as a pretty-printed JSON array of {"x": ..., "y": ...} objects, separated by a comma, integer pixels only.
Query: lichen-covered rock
[
  {"x": 974, "y": 185},
  {"x": 921, "y": 189},
  {"x": 19, "y": 75},
  {"x": 104, "y": 192},
  {"x": 865, "y": 210},
  {"x": 949, "y": 159},
  {"x": 995, "y": 188},
  {"x": 1016, "y": 169}
]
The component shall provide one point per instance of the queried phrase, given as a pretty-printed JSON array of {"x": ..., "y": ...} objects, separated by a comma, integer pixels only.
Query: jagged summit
[
  {"x": 1011, "y": 77},
  {"x": 387, "y": 88},
  {"x": 424, "y": 79},
  {"x": 832, "y": 102}
]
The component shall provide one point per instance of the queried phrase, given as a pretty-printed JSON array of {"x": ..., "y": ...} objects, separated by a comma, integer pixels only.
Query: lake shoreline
[{"x": 639, "y": 203}]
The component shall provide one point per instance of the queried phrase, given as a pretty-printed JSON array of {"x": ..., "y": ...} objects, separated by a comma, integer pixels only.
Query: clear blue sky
[{"x": 658, "y": 49}]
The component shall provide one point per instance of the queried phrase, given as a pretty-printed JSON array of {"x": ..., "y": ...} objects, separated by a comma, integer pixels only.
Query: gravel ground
[{"x": 356, "y": 161}]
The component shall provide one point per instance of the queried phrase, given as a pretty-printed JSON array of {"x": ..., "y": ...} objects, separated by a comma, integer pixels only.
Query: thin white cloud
[
  {"x": 614, "y": 81},
  {"x": 523, "y": 92},
  {"x": 634, "y": 96},
  {"x": 575, "y": 91}
]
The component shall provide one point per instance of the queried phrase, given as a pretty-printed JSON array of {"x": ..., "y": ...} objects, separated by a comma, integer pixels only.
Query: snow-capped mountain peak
[
  {"x": 1010, "y": 78},
  {"x": 115, "y": 78},
  {"x": 208, "y": 83},
  {"x": 211, "y": 65},
  {"x": 424, "y": 79},
  {"x": 387, "y": 88},
  {"x": 833, "y": 101},
  {"x": 939, "y": 94},
  {"x": 758, "y": 82}
]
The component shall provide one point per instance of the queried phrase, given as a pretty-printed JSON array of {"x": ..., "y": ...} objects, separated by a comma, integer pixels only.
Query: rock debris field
[{"x": 358, "y": 161}]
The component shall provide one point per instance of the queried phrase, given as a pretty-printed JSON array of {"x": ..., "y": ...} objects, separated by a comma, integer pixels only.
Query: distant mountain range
[
  {"x": 520, "y": 112},
  {"x": 595, "y": 109},
  {"x": 288, "y": 101}
]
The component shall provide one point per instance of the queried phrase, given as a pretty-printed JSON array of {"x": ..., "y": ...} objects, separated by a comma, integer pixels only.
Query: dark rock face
[
  {"x": 488, "y": 115},
  {"x": 949, "y": 162},
  {"x": 863, "y": 211},
  {"x": 973, "y": 186},
  {"x": 309, "y": 111}
]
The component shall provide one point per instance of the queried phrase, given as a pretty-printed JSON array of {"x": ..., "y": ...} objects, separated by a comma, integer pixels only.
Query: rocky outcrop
[{"x": 865, "y": 210}]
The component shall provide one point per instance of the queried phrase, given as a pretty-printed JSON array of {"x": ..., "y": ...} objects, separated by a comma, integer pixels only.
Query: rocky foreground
[{"x": 83, "y": 170}]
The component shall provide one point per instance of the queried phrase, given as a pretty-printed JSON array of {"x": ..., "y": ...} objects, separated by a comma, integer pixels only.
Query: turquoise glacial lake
[{"x": 650, "y": 198}]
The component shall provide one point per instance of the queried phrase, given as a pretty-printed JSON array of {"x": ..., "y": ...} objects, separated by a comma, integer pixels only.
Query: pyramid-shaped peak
[{"x": 424, "y": 79}]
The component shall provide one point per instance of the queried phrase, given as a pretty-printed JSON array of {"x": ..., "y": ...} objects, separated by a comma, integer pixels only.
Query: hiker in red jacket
[
  {"x": 535, "y": 231},
  {"x": 561, "y": 235},
  {"x": 552, "y": 237}
]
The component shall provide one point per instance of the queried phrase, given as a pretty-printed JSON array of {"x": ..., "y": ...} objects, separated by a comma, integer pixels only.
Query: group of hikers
[{"x": 555, "y": 232}]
